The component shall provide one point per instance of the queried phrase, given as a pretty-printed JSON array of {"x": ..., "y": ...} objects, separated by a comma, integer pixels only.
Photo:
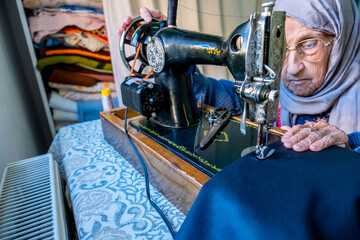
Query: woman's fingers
[
  {"x": 286, "y": 138},
  {"x": 157, "y": 14},
  {"x": 287, "y": 128},
  {"x": 314, "y": 136},
  {"x": 322, "y": 143},
  {"x": 148, "y": 14},
  {"x": 124, "y": 25},
  {"x": 145, "y": 14},
  {"x": 332, "y": 136},
  {"x": 308, "y": 141},
  {"x": 295, "y": 137}
]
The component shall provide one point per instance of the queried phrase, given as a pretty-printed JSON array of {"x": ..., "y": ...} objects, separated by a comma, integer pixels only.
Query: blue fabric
[
  {"x": 354, "y": 141},
  {"x": 51, "y": 42},
  {"x": 74, "y": 8},
  {"x": 216, "y": 93},
  {"x": 302, "y": 119},
  {"x": 107, "y": 194},
  {"x": 89, "y": 110},
  {"x": 309, "y": 195}
]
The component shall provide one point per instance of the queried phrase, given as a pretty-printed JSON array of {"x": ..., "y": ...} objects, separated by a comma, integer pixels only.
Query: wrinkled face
[{"x": 302, "y": 77}]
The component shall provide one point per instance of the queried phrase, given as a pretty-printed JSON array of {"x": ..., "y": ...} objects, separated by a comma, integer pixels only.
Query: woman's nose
[{"x": 294, "y": 63}]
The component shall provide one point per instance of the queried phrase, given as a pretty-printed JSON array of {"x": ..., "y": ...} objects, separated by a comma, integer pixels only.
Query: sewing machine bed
[
  {"x": 228, "y": 146},
  {"x": 169, "y": 171}
]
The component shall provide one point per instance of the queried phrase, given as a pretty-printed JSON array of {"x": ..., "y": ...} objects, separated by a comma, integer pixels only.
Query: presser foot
[{"x": 263, "y": 152}]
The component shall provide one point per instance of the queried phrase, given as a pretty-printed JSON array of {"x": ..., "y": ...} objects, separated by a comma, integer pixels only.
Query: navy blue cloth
[
  {"x": 354, "y": 141},
  {"x": 308, "y": 195}
]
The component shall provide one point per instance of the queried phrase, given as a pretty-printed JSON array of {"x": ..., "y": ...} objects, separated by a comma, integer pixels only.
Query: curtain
[{"x": 208, "y": 16}]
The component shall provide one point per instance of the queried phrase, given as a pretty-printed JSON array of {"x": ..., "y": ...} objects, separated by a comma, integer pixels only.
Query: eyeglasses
[{"x": 311, "y": 50}]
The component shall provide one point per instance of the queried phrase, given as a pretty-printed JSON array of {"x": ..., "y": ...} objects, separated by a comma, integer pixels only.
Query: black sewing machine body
[{"x": 254, "y": 54}]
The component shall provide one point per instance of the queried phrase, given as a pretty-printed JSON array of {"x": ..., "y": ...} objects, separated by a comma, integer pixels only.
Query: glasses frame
[{"x": 301, "y": 53}]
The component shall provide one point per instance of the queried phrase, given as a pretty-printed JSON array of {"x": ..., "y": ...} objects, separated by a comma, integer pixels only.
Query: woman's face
[{"x": 299, "y": 76}]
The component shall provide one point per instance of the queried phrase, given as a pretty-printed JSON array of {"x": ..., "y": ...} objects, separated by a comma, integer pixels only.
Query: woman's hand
[
  {"x": 314, "y": 136},
  {"x": 146, "y": 14}
]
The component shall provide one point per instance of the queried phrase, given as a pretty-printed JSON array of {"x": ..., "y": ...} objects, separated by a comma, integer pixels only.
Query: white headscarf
[{"x": 341, "y": 88}]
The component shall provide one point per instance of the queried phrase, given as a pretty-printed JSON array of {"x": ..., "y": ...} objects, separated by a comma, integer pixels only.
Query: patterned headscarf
[{"x": 340, "y": 91}]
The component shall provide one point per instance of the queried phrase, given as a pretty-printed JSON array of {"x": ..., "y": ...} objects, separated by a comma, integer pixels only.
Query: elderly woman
[{"x": 324, "y": 85}]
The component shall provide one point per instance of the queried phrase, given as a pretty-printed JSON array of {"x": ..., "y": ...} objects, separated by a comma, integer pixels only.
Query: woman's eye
[{"x": 309, "y": 44}]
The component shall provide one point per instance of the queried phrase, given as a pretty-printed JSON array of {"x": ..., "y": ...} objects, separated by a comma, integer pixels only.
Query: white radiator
[{"x": 31, "y": 204}]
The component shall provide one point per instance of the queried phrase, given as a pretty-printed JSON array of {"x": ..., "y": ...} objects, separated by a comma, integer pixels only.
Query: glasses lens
[{"x": 314, "y": 50}]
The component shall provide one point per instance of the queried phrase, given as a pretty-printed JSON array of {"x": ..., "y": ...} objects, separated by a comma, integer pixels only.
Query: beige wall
[{"x": 217, "y": 17}]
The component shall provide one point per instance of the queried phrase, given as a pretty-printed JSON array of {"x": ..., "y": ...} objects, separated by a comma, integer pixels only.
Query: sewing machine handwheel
[{"x": 128, "y": 55}]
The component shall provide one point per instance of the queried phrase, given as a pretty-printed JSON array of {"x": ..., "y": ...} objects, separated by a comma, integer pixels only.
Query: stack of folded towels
[{"x": 71, "y": 44}]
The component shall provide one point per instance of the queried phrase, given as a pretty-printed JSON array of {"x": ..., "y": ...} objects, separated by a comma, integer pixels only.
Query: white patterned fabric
[{"x": 108, "y": 195}]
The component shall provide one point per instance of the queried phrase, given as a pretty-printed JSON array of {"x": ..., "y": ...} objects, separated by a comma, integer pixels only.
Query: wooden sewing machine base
[{"x": 178, "y": 180}]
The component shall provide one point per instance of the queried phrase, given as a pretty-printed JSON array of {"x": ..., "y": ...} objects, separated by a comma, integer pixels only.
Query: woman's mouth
[{"x": 298, "y": 81}]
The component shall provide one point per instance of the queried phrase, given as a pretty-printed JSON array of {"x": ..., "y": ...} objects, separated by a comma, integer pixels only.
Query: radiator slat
[
  {"x": 40, "y": 234},
  {"x": 21, "y": 220},
  {"x": 24, "y": 188},
  {"x": 25, "y": 234},
  {"x": 28, "y": 224},
  {"x": 25, "y": 181},
  {"x": 18, "y": 193},
  {"x": 30, "y": 200},
  {"x": 25, "y": 185},
  {"x": 21, "y": 202},
  {"x": 30, "y": 166},
  {"x": 25, "y": 197},
  {"x": 26, "y": 212},
  {"x": 31, "y": 171},
  {"x": 26, "y": 209},
  {"x": 44, "y": 236}
]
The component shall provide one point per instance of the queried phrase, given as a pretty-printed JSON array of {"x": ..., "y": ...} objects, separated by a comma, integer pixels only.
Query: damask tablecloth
[{"x": 108, "y": 195}]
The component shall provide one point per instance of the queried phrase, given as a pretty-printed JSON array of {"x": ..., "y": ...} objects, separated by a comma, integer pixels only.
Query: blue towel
[
  {"x": 75, "y": 9},
  {"x": 90, "y": 110}
]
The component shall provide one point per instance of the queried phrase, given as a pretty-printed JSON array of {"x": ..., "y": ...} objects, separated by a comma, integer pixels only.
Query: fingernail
[
  {"x": 299, "y": 147},
  {"x": 148, "y": 19},
  {"x": 315, "y": 147}
]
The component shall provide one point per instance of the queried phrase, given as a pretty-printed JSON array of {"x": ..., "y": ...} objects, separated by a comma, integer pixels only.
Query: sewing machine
[
  {"x": 254, "y": 54},
  {"x": 182, "y": 129}
]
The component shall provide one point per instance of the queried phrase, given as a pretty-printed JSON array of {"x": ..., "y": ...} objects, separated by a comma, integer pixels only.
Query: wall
[{"x": 21, "y": 132}]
